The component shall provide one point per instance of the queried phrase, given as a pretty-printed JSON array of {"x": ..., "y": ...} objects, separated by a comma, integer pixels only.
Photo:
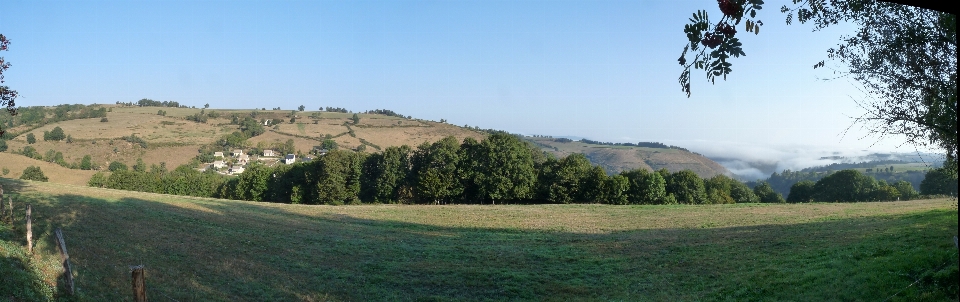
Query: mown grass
[{"x": 206, "y": 249}]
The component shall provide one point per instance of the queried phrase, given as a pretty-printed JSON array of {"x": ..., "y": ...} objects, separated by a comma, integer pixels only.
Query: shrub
[
  {"x": 98, "y": 180},
  {"x": 103, "y": 120},
  {"x": 3, "y": 145},
  {"x": 31, "y": 139},
  {"x": 117, "y": 166},
  {"x": 33, "y": 173}
]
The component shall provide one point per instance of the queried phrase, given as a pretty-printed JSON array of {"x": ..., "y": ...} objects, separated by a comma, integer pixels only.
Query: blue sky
[{"x": 604, "y": 70}]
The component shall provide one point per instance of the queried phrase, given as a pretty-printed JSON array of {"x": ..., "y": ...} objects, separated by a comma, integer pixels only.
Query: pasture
[{"x": 221, "y": 250}]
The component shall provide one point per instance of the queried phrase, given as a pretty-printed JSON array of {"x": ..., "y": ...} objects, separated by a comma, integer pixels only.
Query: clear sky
[{"x": 605, "y": 70}]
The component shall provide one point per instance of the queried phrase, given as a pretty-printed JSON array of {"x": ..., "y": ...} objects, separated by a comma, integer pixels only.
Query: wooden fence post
[
  {"x": 10, "y": 207},
  {"x": 29, "y": 230},
  {"x": 65, "y": 258},
  {"x": 139, "y": 284}
]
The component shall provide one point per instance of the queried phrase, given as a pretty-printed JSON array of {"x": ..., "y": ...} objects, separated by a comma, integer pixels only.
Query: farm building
[
  {"x": 290, "y": 159},
  {"x": 219, "y": 164},
  {"x": 236, "y": 152},
  {"x": 217, "y": 154},
  {"x": 269, "y": 153},
  {"x": 235, "y": 170}
]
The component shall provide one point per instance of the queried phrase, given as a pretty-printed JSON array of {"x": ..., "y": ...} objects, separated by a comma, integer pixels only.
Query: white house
[
  {"x": 219, "y": 164},
  {"x": 217, "y": 154},
  {"x": 236, "y": 170},
  {"x": 269, "y": 153},
  {"x": 290, "y": 159},
  {"x": 243, "y": 159},
  {"x": 236, "y": 153}
]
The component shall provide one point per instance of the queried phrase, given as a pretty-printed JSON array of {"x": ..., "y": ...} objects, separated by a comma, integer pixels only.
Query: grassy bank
[{"x": 206, "y": 249}]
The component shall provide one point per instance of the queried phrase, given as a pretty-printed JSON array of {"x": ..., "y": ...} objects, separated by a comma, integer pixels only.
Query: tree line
[{"x": 500, "y": 169}]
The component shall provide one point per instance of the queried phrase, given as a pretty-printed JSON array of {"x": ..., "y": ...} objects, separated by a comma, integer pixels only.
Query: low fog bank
[{"x": 758, "y": 162}]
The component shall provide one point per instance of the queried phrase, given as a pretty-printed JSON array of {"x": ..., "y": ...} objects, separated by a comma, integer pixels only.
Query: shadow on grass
[{"x": 222, "y": 250}]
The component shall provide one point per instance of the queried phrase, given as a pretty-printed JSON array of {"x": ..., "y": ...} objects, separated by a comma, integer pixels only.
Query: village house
[
  {"x": 243, "y": 159},
  {"x": 269, "y": 153},
  {"x": 217, "y": 154},
  {"x": 219, "y": 164},
  {"x": 290, "y": 159},
  {"x": 236, "y": 153},
  {"x": 235, "y": 170}
]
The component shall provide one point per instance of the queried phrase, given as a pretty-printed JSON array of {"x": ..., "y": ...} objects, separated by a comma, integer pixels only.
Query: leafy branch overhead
[
  {"x": 7, "y": 95},
  {"x": 712, "y": 44}
]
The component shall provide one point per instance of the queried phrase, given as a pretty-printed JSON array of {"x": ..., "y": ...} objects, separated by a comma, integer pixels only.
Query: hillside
[
  {"x": 197, "y": 249},
  {"x": 621, "y": 158},
  {"x": 173, "y": 139}
]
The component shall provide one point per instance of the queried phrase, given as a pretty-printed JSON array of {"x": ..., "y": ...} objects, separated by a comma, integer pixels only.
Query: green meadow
[{"x": 198, "y": 249}]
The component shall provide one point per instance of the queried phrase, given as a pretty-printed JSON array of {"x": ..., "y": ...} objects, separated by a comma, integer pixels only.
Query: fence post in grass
[
  {"x": 29, "y": 230},
  {"x": 65, "y": 258},
  {"x": 139, "y": 285},
  {"x": 10, "y": 207}
]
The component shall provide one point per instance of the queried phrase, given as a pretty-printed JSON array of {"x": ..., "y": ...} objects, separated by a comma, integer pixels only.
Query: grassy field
[{"x": 206, "y": 249}]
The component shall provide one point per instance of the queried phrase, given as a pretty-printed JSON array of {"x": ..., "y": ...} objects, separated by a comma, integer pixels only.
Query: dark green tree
[
  {"x": 592, "y": 185},
  {"x": 801, "y": 192},
  {"x": 116, "y": 166},
  {"x": 3, "y": 145},
  {"x": 33, "y": 173},
  {"x": 616, "y": 190},
  {"x": 252, "y": 183},
  {"x": 98, "y": 180},
  {"x": 329, "y": 144},
  {"x": 561, "y": 182},
  {"x": 940, "y": 181},
  {"x": 385, "y": 175},
  {"x": 719, "y": 189},
  {"x": 687, "y": 187},
  {"x": 906, "y": 190},
  {"x": 435, "y": 171},
  {"x": 356, "y": 119},
  {"x": 54, "y": 135},
  {"x": 337, "y": 177},
  {"x": 844, "y": 186},
  {"x": 301, "y": 108},
  {"x": 765, "y": 192},
  {"x": 506, "y": 169},
  {"x": 31, "y": 139},
  {"x": 646, "y": 187},
  {"x": 86, "y": 163}
]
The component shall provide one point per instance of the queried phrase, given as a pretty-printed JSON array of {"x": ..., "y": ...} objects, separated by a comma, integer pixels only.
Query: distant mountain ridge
[{"x": 618, "y": 157}]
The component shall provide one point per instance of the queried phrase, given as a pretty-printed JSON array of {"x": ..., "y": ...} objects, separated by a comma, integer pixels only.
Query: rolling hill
[{"x": 172, "y": 138}]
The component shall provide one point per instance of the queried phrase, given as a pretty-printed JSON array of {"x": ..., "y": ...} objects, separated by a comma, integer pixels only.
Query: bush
[
  {"x": 3, "y": 145},
  {"x": 103, "y": 120},
  {"x": 31, "y": 139},
  {"x": 55, "y": 135},
  {"x": 98, "y": 180},
  {"x": 33, "y": 173},
  {"x": 117, "y": 166}
]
